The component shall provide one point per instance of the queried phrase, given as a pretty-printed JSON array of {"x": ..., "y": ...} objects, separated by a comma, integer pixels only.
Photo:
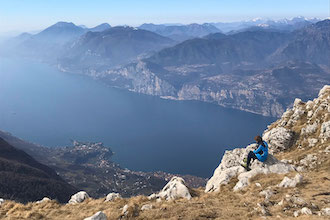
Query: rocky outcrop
[
  {"x": 78, "y": 197},
  {"x": 230, "y": 167},
  {"x": 112, "y": 196},
  {"x": 298, "y": 127},
  {"x": 279, "y": 139},
  {"x": 287, "y": 182},
  {"x": 174, "y": 189},
  {"x": 45, "y": 199},
  {"x": 97, "y": 216}
]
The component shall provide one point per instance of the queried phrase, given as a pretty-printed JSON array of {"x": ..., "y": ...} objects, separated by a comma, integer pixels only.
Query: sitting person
[{"x": 260, "y": 153}]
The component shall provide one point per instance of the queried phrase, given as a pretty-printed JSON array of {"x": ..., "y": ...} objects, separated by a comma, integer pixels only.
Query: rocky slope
[
  {"x": 24, "y": 179},
  {"x": 293, "y": 183}
]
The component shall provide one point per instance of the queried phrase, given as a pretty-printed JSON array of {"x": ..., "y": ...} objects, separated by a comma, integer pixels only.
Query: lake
[{"x": 40, "y": 104}]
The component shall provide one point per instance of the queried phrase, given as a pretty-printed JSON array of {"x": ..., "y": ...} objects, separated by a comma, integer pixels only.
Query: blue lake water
[{"x": 45, "y": 106}]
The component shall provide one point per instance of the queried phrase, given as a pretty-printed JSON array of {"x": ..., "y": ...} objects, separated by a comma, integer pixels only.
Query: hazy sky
[{"x": 27, "y": 15}]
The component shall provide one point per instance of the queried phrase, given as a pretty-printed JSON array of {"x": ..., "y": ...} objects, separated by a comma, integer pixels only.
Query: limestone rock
[
  {"x": 267, "y": 193},
  {"x": 174, "y": 189},
  {"x": 271, "y": 165},
  {"x": 287, "y": 182},
  {"x": 309, "y": 129},
  {"x": 125, "y": 210},
  {"x": 279, "y": 139},
  {"x": 230, "y": 167},
  {"x": 45, "y": 199},
  {"x": 112, "y": 196},
  {"x": 325, "y": 212},
  {"x": 97, "y": 216},
  {"x": 146, "y": 207},
  {"x": 324, "y": 90},
  {"x": 78, "y": 197},
  {"x": 309, "y": 161},
  {"x": 325, "y": 130}
]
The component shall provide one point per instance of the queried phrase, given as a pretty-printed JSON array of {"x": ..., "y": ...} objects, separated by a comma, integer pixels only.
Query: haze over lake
[{"x": 45, "y": 106}]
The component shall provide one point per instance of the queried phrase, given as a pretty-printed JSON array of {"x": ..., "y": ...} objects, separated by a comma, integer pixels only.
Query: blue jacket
[{"x": 261, "y": 152}]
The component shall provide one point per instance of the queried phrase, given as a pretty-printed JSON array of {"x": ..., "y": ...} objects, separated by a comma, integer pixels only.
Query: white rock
[
  {"x": 287, "y": 182},
  {"x": 277, "y": 167},
  {"x": 325, "y": 211},
  {"x": 309, "y": 129},
  {"x": 309, "y": 161},
  {"x": 152, "y": 196},
  {"x": 306, "y": 211},
  {"x": 112, "y": 196},
  {"x": 45, "y": 199},
  {"x": 278, "y": 139},
  {"x": 267, "y": 193},
  {"x": 324, "y": 90},
  {"x": 296, "y": 213},
  {"x": 325, "y": 130},
  {"x": 146, "y": 207},
  {"x": 125, "y": 210},
  {"x": 97, "y": 216},
  {"x": 175, "y": 189},
  {"x": 258, "y": 184},
  {"x": 2, "y": 201},
  {"x": 312, "y": 142},
  {"x": 230, "y": 167},
  {"x": 78, "y": 197}
]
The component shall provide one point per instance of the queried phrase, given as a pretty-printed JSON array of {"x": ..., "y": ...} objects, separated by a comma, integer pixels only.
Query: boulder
[
  {"x": 112, "y": 196},
  {"x": 325, "y": 131},
  {"x": 230, "y": 167},
  {"x": 125, "y": 210},
  {"x": 174, "y": 189},
  {"x": 78, "y": 197},
  {"x": 97, "y": 216},
  {"x": 287, "y": 182},
  {"x": 325, "y": 212},
  {"x": 303, "y": 211},
  {"x": 279, "y": 139},
  {"x": 309, "y": 129},
  {"x": 45, "y": 199},
  {"x": 267, "y": 193},
  {"x": 146, "y": 207},
  {"x": 2, "y": 201}
]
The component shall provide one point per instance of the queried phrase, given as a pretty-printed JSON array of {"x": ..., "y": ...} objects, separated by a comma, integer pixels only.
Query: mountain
[
  {"x": 24, "y": 179},
  {"x": 310, "y": 44},
  {"x": 282, "y": 24},
  {"x": 181, "y": 32},
  {"x": 46, "y": 45},
  {"x": 101, "y": 27},
  {"x": 114, "y": 46},
  {"x": 258, "y": 70},
  {"x": 293, "y": 183}
]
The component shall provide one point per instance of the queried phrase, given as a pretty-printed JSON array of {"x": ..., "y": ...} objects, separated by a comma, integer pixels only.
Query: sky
[{"x": 33, "y": 15}]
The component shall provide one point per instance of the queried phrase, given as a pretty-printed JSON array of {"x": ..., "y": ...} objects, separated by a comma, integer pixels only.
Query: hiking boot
[{"x": 246, "y": 167}]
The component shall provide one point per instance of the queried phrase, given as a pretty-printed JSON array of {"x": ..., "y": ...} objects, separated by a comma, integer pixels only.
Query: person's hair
[{"x": 258, "y": 139}]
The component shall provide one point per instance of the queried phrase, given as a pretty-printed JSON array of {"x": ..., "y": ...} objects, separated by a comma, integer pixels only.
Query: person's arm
[{"x": 258, "y": 150}]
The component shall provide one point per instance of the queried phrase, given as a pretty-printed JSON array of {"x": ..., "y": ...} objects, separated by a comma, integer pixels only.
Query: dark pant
[{"x": 251, "y": 155}]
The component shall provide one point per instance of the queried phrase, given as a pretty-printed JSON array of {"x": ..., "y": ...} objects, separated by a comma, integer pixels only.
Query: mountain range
[{"x": 232, "y": 70}]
